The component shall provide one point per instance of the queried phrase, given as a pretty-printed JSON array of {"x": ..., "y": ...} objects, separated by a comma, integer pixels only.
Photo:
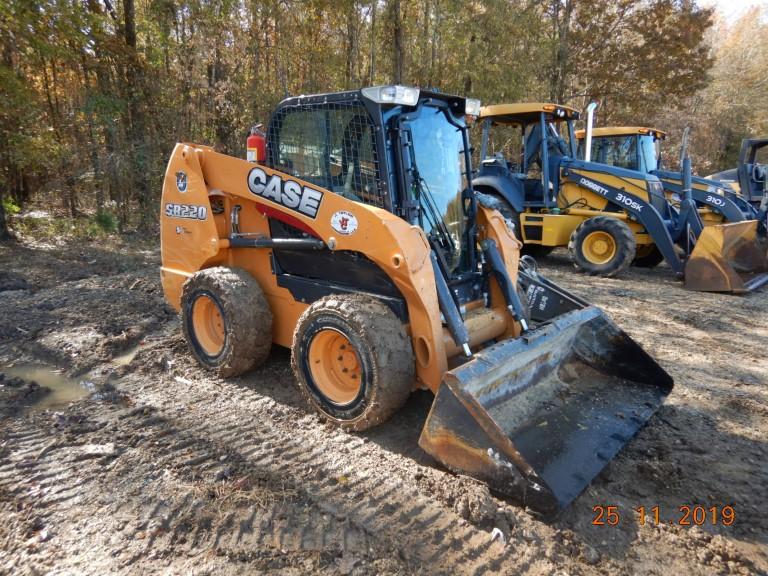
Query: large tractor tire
[
  {"x": 353, "y": 360},
  {"x": 602, "y": 246},
  {"x": 648, "y": 256},
  {"x": 226, "y": 320}
]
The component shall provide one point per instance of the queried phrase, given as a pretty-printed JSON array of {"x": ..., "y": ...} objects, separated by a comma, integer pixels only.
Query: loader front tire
[
  {"x": 602, "y": 246},
  {"x": 353, "y": 360},
  {"x": 226, "y": 320}
]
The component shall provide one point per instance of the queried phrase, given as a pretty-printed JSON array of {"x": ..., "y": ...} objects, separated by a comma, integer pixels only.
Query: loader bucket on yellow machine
[
  {"x": 538, "y": 417},
  {"x": 728, "y": 258}
]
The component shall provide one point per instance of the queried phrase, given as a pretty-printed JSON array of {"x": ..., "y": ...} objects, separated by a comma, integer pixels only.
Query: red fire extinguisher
[{"x": 256, "y": 145}]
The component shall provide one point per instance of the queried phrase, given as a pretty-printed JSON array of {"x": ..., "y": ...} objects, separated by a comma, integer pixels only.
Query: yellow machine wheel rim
[
  {"x": 208, "y": 324},
  {"x": 335, "y": 366},
  {"x": 599, "y": 247}
]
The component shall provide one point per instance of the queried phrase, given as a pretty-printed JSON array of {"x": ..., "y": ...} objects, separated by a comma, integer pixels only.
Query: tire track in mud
[
  {"x": 258, "y": 518},
  {"x": 419, "y": 529},
  {"x": 326, "y": 500}
]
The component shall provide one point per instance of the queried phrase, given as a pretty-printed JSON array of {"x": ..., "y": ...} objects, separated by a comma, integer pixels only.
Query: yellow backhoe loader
[
  {"x": 609, "y": 216},
  {"x": 639, "y": 148},
  {"x": 359, "y": 243}
]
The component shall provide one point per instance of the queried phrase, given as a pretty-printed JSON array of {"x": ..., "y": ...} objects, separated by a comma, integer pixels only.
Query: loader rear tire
[
  {"x": 353, "y": 360},
  {"x": 602, "y": 246},
  {"x": 648, "y": 256},
  {"x": 226, "y": 320}
]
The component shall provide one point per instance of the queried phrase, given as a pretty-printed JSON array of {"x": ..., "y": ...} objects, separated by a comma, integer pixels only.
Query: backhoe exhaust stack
[{"x": 588, "y": 141}]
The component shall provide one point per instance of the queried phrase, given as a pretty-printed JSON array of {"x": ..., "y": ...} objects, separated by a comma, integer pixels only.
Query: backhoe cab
[
  {"x": 361, "y": 245},
  {"x": 609, "y": 216},
  {"x": 750, "y": 178}
]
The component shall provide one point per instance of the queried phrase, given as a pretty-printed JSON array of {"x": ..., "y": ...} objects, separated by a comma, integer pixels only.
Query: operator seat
[{"x": 556, "y": 150}]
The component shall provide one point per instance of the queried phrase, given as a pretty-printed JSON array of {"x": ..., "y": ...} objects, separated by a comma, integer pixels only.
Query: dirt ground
[{"x": 161, "y": 468}]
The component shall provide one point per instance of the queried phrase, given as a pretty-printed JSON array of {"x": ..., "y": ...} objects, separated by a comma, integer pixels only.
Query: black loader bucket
[
  {"x": 538, "y": 417},
  {"x": 728, "y": 258}
]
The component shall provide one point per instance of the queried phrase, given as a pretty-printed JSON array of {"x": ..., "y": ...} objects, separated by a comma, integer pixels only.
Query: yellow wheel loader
[
  {"x": 360, "y": 244},
  {"x": 608, "y": 216},
  {"x": 639, "y": 148}
]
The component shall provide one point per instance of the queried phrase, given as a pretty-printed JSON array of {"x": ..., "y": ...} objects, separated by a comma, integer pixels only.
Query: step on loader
[
  {"x": 608, "y": 216},
  {"x": 358, "y": 242}
]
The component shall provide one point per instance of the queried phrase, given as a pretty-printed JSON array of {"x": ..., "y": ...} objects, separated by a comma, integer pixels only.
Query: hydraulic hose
[
  {"x": 508, "y": 289},
  {"x": 448, "y": 307}
]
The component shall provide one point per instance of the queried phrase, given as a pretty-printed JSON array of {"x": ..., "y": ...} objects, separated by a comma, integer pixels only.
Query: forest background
[{"x": 95, "y": 93}]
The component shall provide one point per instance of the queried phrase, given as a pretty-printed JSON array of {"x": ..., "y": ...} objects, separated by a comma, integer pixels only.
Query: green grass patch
[{"x": 10, "y": 207}]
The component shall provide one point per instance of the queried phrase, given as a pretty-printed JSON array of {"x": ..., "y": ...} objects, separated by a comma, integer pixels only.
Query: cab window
[
  {"x": 620, "y": 151},
  {"x": 331, "y": 146}
]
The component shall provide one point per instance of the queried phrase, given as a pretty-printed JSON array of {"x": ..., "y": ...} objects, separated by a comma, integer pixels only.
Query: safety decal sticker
[
  {"x": 292, "y": 195},
  {"x": 344, "y": 222},
  {"x": 189, "y": 211},
  {"x": 181, "y": 181}
]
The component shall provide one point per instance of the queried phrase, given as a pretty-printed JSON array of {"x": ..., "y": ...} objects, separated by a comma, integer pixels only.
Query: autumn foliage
[{"x": 96, "y": 92}]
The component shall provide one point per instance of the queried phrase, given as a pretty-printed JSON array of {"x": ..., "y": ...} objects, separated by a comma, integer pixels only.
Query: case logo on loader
[
  {"x": 344, "y": 222},
  {"x": 292, "y": 195}
]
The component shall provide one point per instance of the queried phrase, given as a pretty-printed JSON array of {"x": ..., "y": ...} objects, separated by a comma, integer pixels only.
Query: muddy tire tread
[
  {"x": 247, "y": 313},
  {"x": 394, "y": 363}
]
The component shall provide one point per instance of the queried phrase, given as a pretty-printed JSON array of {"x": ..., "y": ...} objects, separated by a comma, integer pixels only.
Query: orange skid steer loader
[{"x": 359, "y": 244}]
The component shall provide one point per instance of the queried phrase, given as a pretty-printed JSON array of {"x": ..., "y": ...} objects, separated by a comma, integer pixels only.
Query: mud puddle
[
  {"x": 63, "y": 389},
  {"x": 126, "y": 357}
]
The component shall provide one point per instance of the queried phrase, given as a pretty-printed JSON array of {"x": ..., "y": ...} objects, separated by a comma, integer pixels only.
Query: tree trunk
[
  {"x": 398, "y": 54},
  {"x": 136, "y": 124},
  {"x": 468, "y": 75},
  {"x": 93, "y": 147},
  {"x": 350, "y": 47},
  {"x": 106, "y": 171},
  {"x": 4, "y": 233},
  {"x": 372, "y": 69},
  {"x": 561, "y": 23},
  {"x": 7, "y": 61}
]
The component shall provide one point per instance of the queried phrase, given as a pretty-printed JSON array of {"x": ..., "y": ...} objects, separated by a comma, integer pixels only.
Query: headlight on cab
[
  {"x": 472, "y": 107},
  {"x": 395, "y": 94}
]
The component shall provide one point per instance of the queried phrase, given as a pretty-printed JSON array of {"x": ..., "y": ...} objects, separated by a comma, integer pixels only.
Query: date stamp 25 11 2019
[{"x": 686, "y": 515}]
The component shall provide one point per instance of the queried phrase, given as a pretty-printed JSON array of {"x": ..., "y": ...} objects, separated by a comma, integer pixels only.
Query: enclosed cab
[
  {"x": 750, "y": 177},
  {"x": 631, "y": 147}
]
